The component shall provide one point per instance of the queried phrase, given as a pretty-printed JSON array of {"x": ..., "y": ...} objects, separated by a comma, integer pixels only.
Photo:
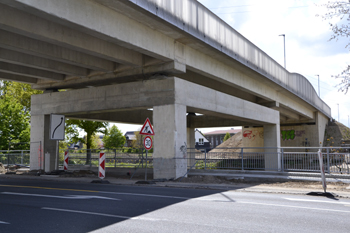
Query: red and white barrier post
[
  {"x": 101, "y": 168},
  {"x": 66, "y": 158}
]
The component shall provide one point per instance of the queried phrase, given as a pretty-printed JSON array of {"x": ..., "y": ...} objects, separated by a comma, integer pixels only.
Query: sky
[{"x": 309, "y": 51}]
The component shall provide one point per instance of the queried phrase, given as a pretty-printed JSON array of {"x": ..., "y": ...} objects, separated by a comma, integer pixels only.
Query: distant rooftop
[{"x": 230, "y": 131}]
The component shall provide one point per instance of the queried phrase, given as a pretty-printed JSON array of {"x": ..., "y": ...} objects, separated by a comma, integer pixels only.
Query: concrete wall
[{"x": 290, "y": 136}]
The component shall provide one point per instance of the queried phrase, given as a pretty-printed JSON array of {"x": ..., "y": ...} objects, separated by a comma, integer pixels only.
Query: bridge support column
[
  {"x": 191, "y": 140},
  {"x": 41, "y": 144},
  {"x": 272, "y": 139},
  {"x": 191, "y": 144},
  {"x": 169, "y": 157}
]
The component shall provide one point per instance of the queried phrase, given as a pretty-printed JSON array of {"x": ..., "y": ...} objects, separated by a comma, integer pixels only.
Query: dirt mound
[
  {"x": 233, "y": 142},
  {"x": 335, "y": 133}
]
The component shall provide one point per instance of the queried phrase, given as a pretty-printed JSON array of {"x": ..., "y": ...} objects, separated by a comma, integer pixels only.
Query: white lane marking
[
  {"x": 4, "y": 222},
  {"x": 62, "y": 197},
  {"x": 85, "y": 212},
  {"x": 307, "y": 200},
  {"x": 142, "y": 218},
  {"x": 289, "y": 206},
  {"x": 147, "y": 195}
]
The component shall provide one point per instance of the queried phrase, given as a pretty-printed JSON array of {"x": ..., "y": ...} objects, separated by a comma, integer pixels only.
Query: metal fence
[
  {"x": 335, "y": 160},
  {"x": 123, "y": 158},
  {"x": 15, "y": 157}
]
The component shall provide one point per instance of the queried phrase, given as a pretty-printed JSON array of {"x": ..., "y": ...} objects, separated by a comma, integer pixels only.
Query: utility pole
[{"x": 284, "y": 46}]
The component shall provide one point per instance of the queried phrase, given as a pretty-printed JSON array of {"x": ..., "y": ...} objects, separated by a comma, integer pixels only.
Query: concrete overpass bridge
[{"x": 125, "y": 60}]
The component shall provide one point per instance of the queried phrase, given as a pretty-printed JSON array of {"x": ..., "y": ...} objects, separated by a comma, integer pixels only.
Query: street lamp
[
  {"x": 338, "y": 112},
  {"x": 318, "y": 85},
  {"x": 284, "y": 45}
]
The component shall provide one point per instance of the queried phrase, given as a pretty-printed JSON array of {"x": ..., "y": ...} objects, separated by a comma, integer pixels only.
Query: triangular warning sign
[{"x": 147, "y": 128}]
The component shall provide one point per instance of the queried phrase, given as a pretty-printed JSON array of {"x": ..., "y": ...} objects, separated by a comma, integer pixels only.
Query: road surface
[{"x": 47, "y": 206}]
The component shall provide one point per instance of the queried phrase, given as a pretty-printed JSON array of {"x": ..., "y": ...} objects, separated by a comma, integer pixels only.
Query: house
[
  {"x": 130, "y": 137},
  {"x": 202, "y": 143},
  {"x": 217, "y": 137}
]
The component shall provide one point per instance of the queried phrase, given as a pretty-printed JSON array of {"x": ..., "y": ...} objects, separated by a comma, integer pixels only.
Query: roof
[{"x": 230, "y": 131}]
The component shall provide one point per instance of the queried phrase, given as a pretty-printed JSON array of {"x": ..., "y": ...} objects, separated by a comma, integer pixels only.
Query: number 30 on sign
[{"x": 147, "y": 143}]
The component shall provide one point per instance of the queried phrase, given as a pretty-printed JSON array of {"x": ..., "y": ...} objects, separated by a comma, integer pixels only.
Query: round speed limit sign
[{"x": 147, "y": 143}]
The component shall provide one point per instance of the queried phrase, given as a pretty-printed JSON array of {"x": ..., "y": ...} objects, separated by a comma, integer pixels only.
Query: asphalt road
[{"x": 43, "y": 206}]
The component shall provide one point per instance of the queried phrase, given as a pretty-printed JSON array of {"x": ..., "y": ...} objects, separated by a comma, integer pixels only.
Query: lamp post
[
  {"x": 318, "y": 85},
  {"x": 338, "y": 112},
  {"x": 284, "y": 46}
]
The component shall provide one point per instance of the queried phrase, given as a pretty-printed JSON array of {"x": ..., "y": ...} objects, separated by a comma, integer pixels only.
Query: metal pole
[
  {"x": 282, "y": 159},
  {"x": 284, "y": 45},
  {"x": 242, "y": 158},
  {"x": 338, "y": 112},
  {"x": 146, "y": 166},
  {"x": 115, "y": 158},
  {"x": 318, "y": 85},
  {"x": 328, "y": 166},
  {"x": 22, "y": 157},
  {"x": 205, "y": 159}
]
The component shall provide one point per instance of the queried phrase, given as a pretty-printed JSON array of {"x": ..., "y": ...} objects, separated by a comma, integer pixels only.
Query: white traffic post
[
  {"x": 323, "y": 176},
  {"x": 101, "y": 168},
  {"x": 66, "y": 159}
]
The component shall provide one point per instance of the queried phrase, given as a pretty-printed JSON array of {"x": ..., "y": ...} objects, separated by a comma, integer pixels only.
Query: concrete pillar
[
  {"x": 170, "y": 148},
  {"x": 191, "y": 140},
  {"x": 272, "y": 138},
  {"x": 191, "y": 144},
  {"x": 40, "y": 144}
]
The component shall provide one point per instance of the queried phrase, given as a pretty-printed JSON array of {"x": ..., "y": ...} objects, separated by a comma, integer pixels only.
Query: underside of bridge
[{"x": 124, "y": 61}]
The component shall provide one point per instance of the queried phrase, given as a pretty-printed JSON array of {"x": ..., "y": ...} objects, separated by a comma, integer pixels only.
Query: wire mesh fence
[
  {"x": 335, "y": 160},
  {"x": 123, "y": 158},
  {"x": 15, "y": 157}
]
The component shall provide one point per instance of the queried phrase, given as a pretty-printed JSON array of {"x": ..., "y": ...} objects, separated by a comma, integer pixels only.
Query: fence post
[
  {"x": 8, "y": 161},
  {"x": 242, "y": 159},
  {"x": 328, "y": 165},
  {"x": 205, "y": 159},
  {"x": 22, "y": 157},
  {"x": 90, "y": 159},
  {"x": 115, "y": 157},
  {"x": 282, "y": 159}
]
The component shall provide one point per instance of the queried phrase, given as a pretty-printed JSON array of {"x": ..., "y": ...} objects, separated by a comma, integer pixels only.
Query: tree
[
  {"x": 114, "y": 138},
  {"x": 227, "y": 136},
  {"x": 15, "y": 101},
  {"x": 21, "y": 92},
  {"x": 138, "y": 143},
  {"x": 90, "y": 128},
  {"x": 14, "y": 125},
  {"x": 340, "y": 10}
]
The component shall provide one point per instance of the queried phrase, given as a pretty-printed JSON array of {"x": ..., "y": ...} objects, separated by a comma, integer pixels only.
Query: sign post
[
  {"x": 57, "y": 125},
  {"x": 147, "y": 141}
]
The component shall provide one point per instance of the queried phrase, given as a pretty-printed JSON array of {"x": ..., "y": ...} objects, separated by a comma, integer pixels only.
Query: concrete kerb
[{"x": 239, "y": 187}]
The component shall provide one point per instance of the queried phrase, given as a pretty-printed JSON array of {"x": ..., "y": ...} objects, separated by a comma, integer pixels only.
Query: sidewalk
[{"x": 339, "y": 189}]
